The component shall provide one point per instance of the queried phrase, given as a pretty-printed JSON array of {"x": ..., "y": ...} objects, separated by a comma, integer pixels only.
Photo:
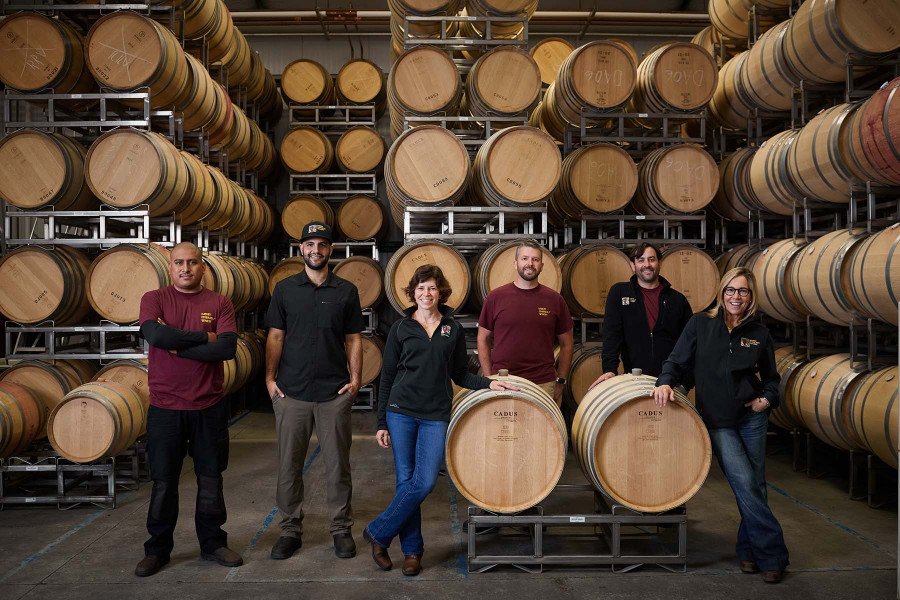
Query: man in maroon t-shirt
[
  {"x": 191, "y": 330},
  {"x": 525, "y": 319}
]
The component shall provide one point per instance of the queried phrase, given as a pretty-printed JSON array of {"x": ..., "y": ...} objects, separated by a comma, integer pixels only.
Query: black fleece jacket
[
  {"x": 627, "y": 333},
  {"x": 725, "y": 367},
  {"x": 416, "y": 370}
]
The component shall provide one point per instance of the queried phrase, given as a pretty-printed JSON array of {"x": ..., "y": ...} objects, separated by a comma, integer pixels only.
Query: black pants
[{"x": 170, "y": 435}]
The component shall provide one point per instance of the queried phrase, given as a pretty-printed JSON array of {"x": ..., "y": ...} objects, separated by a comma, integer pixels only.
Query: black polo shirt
[{"x": 315, "y": 320}]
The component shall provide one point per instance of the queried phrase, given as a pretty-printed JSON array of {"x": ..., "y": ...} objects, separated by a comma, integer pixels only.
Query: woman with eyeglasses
[{"x": 732, "y": 357}]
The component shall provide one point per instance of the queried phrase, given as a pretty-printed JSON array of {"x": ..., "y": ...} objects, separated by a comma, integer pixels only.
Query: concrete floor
[{"x": 839, "y": 548}]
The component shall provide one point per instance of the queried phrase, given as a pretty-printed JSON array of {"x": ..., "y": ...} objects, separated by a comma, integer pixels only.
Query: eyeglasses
[{"x": 742, "y": 292}]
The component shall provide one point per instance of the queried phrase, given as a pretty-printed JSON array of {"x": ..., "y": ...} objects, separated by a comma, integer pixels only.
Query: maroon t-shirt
[
  {"x": 525, "y": 324},
  {"x": 182, "y": 383},
  {"x": 651, "y": 304}
]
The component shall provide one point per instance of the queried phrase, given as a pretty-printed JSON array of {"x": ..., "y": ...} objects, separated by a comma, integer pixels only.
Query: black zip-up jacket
[
  {"x": 416, "y": 370},
  {"x": 627, "y": 333},
  {"x": 725, "y": 367}
]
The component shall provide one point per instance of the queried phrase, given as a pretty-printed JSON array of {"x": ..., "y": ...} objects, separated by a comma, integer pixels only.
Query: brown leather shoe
[
  {"x": 412, "y": 565},
  {"x": 773, "y": 576},
  {"x": 379, "y": 553},
  {"x": 749, "y": 567},
  {"x": 225, "y": 556}
]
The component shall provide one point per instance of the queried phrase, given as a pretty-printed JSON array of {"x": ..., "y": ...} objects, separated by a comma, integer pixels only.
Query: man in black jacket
[{"x": 643, "y": 318}]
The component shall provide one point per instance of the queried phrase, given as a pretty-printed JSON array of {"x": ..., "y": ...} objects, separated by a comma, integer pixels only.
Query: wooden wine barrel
[
  {"x": 96, "y": 420},
  {"x": 496, "y": 266},
  {"x": 225, "y": 201},
  {"x": 505, "y": 451},
  {"x": 819, "y": 273},
  {"x": 820, "y": 393},
  {"x": 517, "y": 166},
  {"x": 220, "y": 39},
  {"x": 766, "y": 79},
  {"x": 426, "y": 166},
  {"x": 873, "y": 273},
  {"x": 692, "y": 272},
  {"x": 39, "y": 285},
  {"x": 236, "y": 371},
  {"x": 598, "y": 178},
  {"x": 734, "y": 199},
  {"x": 407, "y": 259},
  {"x": 814, "y": 159},
  {"x": 497, "y": 8},
  {"x": 201, "y": 17},
  {"x": 787, "y": 363},
  {"x": 130, "y": 373},
  {"x": 598, "y": 75},
  {"x": 821, "y": 34},
  {"x": 873, "y": 406},
  {"x": 22, "y": 418},
  {"x": 263, "y": 220},
  {"x": 366, "y": 275},
  {"x": 730, "y": 106},
  {"x": 360, "y": 150},
  {"x": 80, "y": 371},
  {"x": 235, "y": 278},
  {"x": 424, "y": 81},
  {"x": 373, "y": 349},
  {"x": 586, "y": 368},
  {"x": 618, "y": 422},
  {"x": 421, "y": 8},
  {"x": 730, "y": 18},
  {"x": 201, "y": 198},
  {"x": 202, "y": 106},
  {"x": 712, "y": 41},
  {"x": 360, "y": 218},
  {"x": 45, "y": 382},
  {"x": 743, "y": 255},
  {"x": 237, "y": 140},
  {"x": 305, "y": 81},
  {"x": 238, "y": 60},
  {"x": 39, "y": 169},
  {"x": 871, "y": 137},
  {"x": 306, "y": 150},
  {"x": 262, "y": 155},
  {"x": 549, "y": 54},
  {"x": 40, "y": 53},
  {"x": 120, "y": 276},
  {"x": 678, "y": 76},
  {"x": 683, "y": 178},
  {"x": 256, "y": 79},
  {"x": 361, "y": 82},
  {"x": 127, "y": 51},
  {"x": 588, "y": 272},
  {"x": 769, "y": 182},
  {"x": 303, "y": 209},
  {"x": 774, "y": 291},
  {"x": 504, "y": 81},
  {"x": 283, "y": 270},
  {"x": 127, "y": 167},
  {"x": 271, "y": 104}
]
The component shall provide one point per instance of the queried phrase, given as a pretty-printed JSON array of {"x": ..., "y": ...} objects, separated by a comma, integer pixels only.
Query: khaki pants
[
  {"x": 550, "y": 388},
  {"x": 294, "y": 424}
]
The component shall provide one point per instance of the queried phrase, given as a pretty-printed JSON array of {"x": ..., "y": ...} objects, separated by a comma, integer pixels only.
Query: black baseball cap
[{"x": 317, "y": 229}]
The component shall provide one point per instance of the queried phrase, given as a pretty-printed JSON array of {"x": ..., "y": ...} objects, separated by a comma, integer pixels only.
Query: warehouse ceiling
[{"x": 558, "y": 17}]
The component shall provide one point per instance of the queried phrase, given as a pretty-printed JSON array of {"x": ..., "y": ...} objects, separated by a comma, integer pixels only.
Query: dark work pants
[{"x": 171, "y": 434}]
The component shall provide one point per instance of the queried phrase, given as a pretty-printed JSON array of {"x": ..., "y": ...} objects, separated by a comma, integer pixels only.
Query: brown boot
[
  {"x": 773, "y": 576},
  {"x": 412, "y": 565},
  {"x": 749, "y": 566},
  {"x": 379, "y": 553}
]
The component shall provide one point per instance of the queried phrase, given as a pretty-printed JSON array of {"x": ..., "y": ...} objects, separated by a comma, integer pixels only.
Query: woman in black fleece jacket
[
  {"x": 424, "y": 350},
  {"x": 725, "y": 348}
]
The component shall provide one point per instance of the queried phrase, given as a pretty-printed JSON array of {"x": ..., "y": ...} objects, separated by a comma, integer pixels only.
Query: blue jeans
[
  {"x": 418, "y": 446},
  {"x": 741, "y": 452}
]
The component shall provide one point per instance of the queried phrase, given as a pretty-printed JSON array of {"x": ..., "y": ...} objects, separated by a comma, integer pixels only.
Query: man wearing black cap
[{"x": 314, "y": 321}]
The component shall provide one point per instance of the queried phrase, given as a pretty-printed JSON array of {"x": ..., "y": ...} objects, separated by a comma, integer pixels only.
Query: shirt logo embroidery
[
  {"x": 747, "y": 342},
  {"x": 206, "y": 318},
  {"x": 626, "y": 301},
  {"x": 445, "y": 330},
  {"x": 543, "y": 312}
]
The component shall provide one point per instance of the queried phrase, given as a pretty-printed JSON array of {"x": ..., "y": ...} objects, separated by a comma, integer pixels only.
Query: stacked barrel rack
[{"x": 52, "y": 216}]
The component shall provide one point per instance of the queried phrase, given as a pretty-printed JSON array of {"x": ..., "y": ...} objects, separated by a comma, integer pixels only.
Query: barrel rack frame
[{"x": 614, "y": 526}]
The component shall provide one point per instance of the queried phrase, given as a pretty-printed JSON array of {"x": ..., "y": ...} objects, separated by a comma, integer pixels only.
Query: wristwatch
[{"x": 562, "y": 381}]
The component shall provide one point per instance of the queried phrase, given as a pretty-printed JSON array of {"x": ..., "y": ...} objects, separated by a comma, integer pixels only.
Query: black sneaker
[
  {"x": 150, "y": 565},
  {"x": 344, "y": 546},
  {"x": 285, "y": 547}
]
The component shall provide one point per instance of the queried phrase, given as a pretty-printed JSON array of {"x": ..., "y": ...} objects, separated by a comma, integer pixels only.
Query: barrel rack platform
[
  {"x": 613, "y": 535},
  {"x": 42, "y": 477},
  {"x": 471, "y": 228}
]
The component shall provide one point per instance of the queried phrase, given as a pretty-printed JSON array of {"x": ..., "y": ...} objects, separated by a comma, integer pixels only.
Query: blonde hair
[{"x": 728, "y": 278}]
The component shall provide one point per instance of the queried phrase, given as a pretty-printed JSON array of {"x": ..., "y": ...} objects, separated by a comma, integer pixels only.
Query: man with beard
[
  {"x": 644, "y": 318},
  {"x": 314, "y": 321},
  {"x": 525, "y": 318},
  {"x": 191, "y": 330}
]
